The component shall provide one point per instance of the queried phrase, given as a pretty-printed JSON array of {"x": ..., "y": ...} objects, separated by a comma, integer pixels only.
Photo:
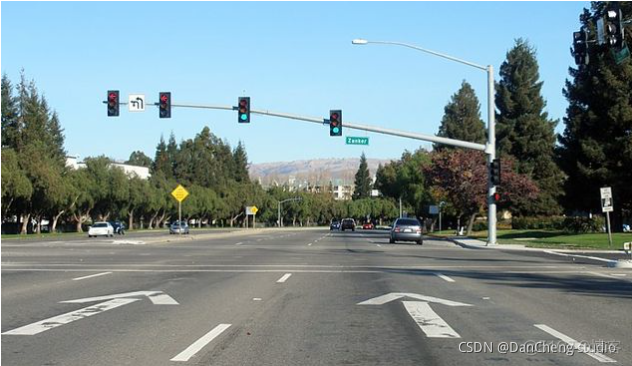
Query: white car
[{"x": 101, "y": 228}]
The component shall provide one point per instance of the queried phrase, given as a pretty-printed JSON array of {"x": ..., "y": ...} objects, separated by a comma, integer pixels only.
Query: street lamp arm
[{"x": 428, "y": 51}]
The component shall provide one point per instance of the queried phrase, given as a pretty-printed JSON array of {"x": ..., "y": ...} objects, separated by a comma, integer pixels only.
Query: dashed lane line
[
  {"x": 200, "y": 343},
  {"x": 91, "y": 276},
  {"x": 284, "y": 278},
  {"x": 580, "y": 346},
  {"x": 444, "y": 277}
]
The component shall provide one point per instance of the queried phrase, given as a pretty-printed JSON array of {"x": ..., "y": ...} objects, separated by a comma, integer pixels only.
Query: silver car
[
  {"x": 179, "y": 228},
  {"x": 406, "y": 229}
]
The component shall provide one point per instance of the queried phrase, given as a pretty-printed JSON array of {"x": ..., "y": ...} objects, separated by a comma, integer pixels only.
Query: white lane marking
[
  {"x": 156, "y": 297},
  {"x": 379, "y": 245},
  {"x": 200, "y": 343},
  {"x": 256, "y": 299},
  {"x": 444, "y": 277},
  {"x": 575, "y": 344},
  {"x": 91, "y": 276},
  {"x": 429, "y": 321},
  {"x": 309, "y": 245},
  {"x": 58, "y": 320},
  {"x": 240, "y": 243},
  {"x": 284, "y": 278},
  {"x": 380, "y": 300}
]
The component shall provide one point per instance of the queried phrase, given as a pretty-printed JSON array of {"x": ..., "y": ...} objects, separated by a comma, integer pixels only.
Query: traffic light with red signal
[
  {"x": 113, "y": 103},
  {"x": 243, "y": 110},
  {"x": 335, "y": 122},
  {"x": 164, "y": 110}
]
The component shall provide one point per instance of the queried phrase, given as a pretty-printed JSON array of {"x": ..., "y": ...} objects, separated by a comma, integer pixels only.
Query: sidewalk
[{"x": 607, "y": 255}]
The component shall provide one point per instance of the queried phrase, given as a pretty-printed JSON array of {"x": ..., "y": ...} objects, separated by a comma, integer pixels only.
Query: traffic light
[
  {"x": 580, "y": 47},
  {"x": 164, "y": 110},
  {"x": 335, "y": 122},
  {"x": 496, "y": 197},
  {"x": 113, "y": 103},
  {"x": 243, "y": 110},
  {"x": 614, "y": 26},
  {"x": 495, "y": 172}
]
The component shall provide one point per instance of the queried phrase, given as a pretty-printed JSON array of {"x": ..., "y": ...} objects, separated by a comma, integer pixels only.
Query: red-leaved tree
[{"x": 461, "y": 177}]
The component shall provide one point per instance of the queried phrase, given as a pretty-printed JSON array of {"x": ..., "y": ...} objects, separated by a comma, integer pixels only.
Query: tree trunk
[
  {"x": 130, "y": 220},
  {"x": 53, "y": 228},
  {"x": 142, "y": 222},
  {"x": 25, "y": 224},
  {"x": 38, "y": 228},
  {"x": 470, "y": 224}
]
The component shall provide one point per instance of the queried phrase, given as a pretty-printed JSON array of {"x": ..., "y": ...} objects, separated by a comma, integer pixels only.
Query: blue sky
[{"x": 292, "y": 57}]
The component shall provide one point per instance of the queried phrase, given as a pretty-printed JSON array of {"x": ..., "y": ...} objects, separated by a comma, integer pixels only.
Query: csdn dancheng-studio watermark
[{"x": 541, "y": 347}]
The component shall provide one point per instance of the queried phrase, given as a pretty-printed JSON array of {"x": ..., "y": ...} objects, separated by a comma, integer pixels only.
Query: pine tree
[
  {"x": 524, "y": 130},
  {"x": 161, "y": 160},
  {"x": 596, "y": 146},
  {"x": 362, "y": 180},
  {"x": 462, "y": 118},
  {"x": 241, "y": 163}
]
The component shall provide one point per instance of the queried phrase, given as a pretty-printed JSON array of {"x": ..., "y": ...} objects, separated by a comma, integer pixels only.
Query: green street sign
[
  {"x": 621, "y": 55},
  {"x": 351, "y": 140}
]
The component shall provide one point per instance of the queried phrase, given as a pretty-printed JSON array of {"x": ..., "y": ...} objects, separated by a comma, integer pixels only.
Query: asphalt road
[{"x": 307, "y": 297}]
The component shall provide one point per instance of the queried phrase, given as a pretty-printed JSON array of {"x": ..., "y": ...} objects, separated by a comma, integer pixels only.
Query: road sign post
[
  {"x": 180, "y": 194},
  {"x": 251, "y": 211},
  {"x": 607, "y": 207}
]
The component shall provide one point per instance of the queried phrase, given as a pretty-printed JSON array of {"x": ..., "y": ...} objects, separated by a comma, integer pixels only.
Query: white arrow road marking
[
  {"x": 380, "y": 300},
  {"x": 200, "y": 343},
  {"x": 575, "y": 344},
  {"x": 421, "y": 312},
  {"x": 115, "y": 300},
  {"x": 156, "y": 297},
  {"x": 284, "y": 278},
  {"x": 91, "y": 276},
  {"x": 58, "y": 320},
  {"x": 429, "y": 321}
]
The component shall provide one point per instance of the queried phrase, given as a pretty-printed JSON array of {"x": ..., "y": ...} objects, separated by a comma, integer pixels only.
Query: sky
[{"x": 289, "y": 57}]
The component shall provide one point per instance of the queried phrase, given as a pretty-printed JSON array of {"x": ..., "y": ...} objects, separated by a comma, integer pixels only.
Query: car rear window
[
  {"x": 408, "y": 222},
  {"x": 100, "y": 225}
]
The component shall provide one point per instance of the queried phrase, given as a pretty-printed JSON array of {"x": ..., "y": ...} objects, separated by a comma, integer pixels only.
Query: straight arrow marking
[
  {"x": 380, "y": 300},
  {"x": 429, "y": 321},
  {"x": 58, "y": 320},
  {"x": 156, "y": 297}
]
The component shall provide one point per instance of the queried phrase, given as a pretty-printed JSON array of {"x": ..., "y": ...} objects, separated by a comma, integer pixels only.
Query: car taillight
[
  {"x": 417, "y": 229},
  {"x": 396, "y": 229}
]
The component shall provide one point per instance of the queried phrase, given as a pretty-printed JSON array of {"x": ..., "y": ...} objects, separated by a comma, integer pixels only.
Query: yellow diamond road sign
[{"x": 180, "y": 193}]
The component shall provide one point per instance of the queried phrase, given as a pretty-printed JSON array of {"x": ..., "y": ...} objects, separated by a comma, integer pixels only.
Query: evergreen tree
[
  {"x": 362, "y": 180},
  {"x": 161, "y": 160},
  {"x": 596, "y": 147},
  {"x": 241, "y": 163},
  {"x": 140, "y": 159},
  {"x": 524, "y": 130},
  {"x": 9, "y": 114},
  {"x": 462, "y": 118}
]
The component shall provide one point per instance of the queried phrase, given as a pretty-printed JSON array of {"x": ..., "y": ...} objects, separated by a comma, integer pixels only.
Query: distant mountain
[{"x": 317, "y": 170}]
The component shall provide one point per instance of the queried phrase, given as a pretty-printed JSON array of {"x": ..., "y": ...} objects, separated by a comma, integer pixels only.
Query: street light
[
  {"x": 281, "y": 202},
  {"x": 490, "y": 147}
]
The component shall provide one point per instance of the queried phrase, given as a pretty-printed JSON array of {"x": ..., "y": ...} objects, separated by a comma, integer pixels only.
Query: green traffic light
[
  {"x": 336, "y": 129},
  {"x": 243, "y": 117}
]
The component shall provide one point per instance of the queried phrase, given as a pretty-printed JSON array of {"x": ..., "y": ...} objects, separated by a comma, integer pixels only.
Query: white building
[{"x": 131, "y": 170}]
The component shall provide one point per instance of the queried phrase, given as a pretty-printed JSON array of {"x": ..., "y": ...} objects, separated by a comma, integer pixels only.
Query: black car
[
  {"x": 348, "y": 224},
  {"x": 335, "y": 225},
  {"x": 119, "y": 227}
]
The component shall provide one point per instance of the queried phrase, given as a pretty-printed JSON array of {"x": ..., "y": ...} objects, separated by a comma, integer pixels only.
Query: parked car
[
  {"x": 335, "y": 225},
  {"x": 179, "y": 227},
  {"x": 406, "y": 229},
  {"x": 119, "y": 227},
  {"x": 101, "y": 229},
  {"x": 367, "y": 226},
  {"x": 348, "y": 224}
]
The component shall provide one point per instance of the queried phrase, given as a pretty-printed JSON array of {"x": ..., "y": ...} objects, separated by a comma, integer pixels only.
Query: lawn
[{"x": 558, "y": 239}]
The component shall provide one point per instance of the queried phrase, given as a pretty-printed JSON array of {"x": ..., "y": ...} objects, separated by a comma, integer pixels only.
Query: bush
[
  {"x": 479, "y": 226},
  {"x": 580, "y": 225},
  {"x": 537, "y": 223}
]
